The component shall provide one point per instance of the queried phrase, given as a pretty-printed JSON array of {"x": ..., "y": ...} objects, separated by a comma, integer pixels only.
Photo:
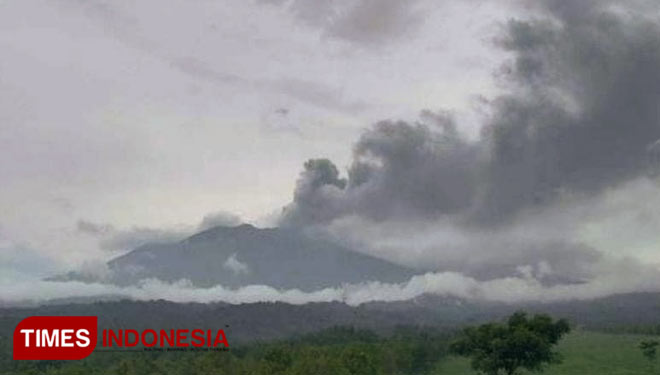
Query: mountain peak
[{"x": 246, "y": 255}]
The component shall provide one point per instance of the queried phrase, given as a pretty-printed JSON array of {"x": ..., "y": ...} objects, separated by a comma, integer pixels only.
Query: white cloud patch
[
  {"x": 621, "y": 278},
  {"x": 236, "y": 266}
]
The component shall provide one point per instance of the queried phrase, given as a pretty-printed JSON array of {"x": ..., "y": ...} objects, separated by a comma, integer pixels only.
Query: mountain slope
[{"x": 244, "y": 255}]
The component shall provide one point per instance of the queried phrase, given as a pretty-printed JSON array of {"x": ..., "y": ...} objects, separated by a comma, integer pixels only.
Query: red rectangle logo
[{"x": 55, "y": 337}]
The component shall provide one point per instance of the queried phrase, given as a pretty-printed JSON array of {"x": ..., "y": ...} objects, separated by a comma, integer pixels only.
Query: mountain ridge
[
  {"x": 270, "y": 320},
  {"x": 246, "y": 255}
]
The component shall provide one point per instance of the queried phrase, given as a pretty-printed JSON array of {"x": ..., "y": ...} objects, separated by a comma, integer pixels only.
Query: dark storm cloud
[
  {"x": 585, "y": 107},
  {"x": 421, "y": 168},
  {"x": 399, "y": 169},
  {"x": 581, "y": 108},
  {"x": 318, "y": 196}
]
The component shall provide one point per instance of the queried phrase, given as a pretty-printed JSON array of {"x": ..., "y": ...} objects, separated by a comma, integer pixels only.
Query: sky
[
  {"x": 156, "y": 114},
  {"x": 482, "y": 139}
]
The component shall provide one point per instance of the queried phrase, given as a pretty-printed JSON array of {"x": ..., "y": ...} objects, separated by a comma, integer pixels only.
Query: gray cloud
[
  {"x": 573, "y": 242},
  {"x": 579, "y": 112},
  {"x": 95, "y": 229},
  {"x": 399, "y": 170},
  {"x": 581, "y": 108},
  {"x": 376, "y": 21},
  {"x": 224, "y": 219},
  {"x": 362, "y": 22},
  {"x": 419, "y": 169},
  {"x": 318, "y": 196},
  {"x": 533, "y": 195},
  {"x": 113, "y": 239},
  {"x": 447, "y": 246}
]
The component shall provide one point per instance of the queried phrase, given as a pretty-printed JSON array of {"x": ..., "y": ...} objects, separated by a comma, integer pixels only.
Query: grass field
[{"x": 584, "y": 353}]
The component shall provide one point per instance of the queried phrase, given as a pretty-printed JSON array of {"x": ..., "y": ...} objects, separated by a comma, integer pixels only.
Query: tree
[
  {"x": 650, "y": 352},
  {"x": 278, "y": 359},
  {"x": 317, "y": 361},
  {"x": 519, "y": 343},
  {"x": 358, "y": 360}
]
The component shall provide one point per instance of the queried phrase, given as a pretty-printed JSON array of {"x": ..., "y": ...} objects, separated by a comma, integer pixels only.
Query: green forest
[
  {"x": 338, "y": 350},
  {"x": 352, "y": 351}
]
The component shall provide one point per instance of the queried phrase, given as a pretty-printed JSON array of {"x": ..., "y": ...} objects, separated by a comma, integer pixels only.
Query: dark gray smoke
[
  {"x": 399, "y": 169},
  {"x": 584, "y": 106},
  {"x": 318, "y": 196},
  {"x": 581, "y": 107}
]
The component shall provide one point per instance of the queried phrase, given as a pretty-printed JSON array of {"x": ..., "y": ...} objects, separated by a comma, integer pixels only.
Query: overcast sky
[
  {"x": 488, "y": 138},
  {"x": 157, "y": 113}
]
